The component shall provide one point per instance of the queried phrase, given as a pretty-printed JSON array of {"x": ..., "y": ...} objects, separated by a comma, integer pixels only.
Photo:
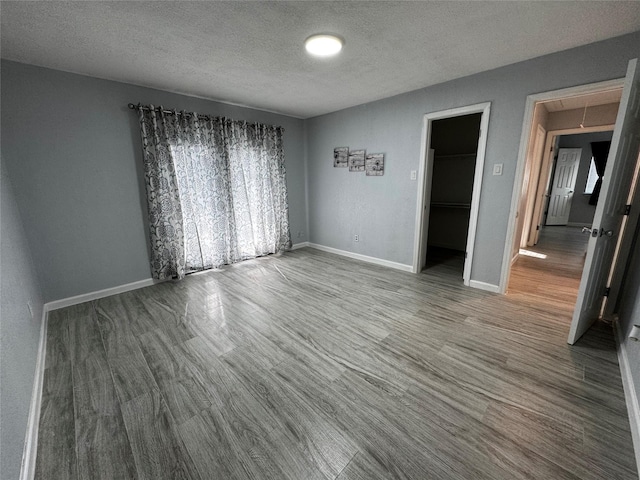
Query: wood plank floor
[
  {"x": 549, "y": 273},
  {"x": 313, "y": 366}
]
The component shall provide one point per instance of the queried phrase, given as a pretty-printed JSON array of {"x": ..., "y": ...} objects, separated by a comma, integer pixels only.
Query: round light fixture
[{"x": 323, "y": 45}]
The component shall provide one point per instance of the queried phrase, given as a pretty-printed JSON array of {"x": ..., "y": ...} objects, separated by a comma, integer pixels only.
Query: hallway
[{"x": 549, "y": 273}]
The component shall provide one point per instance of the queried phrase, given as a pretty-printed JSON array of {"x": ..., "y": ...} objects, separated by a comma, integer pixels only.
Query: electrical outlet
[
  {"x": 356, "y": 238},
  {"x": 414, "y": 174},
  {"x": 299, "y": 234}
]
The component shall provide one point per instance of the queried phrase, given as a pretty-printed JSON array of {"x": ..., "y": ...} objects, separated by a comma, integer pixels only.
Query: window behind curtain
[{"x": 216, "y": 190}]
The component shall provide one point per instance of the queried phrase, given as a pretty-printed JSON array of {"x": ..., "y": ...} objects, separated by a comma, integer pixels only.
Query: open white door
[
  {"x": 532, "y": 191},
  {"x": 543, "y": 188},
  {"x": 564, "y": 184},
  {"x": 611, "y": 204}
]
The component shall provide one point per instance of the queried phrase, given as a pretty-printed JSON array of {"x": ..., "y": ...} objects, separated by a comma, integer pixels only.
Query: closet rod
[{"x": 450, "y": 155}]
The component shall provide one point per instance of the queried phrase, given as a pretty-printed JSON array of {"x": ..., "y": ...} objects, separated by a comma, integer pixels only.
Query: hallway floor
[{"x": 549, "y": 273}]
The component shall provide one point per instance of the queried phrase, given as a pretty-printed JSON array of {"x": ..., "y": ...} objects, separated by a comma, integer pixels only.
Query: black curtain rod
[
  {"x": 139, "y": 106},
  {"x": 144, "y": 107}
]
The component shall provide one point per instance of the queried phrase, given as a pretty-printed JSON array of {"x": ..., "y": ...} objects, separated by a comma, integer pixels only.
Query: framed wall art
[
  {"x": 356, "y": 161},
  {"x": 340, "y": 156},
  {"x": 374, "y": 164}
]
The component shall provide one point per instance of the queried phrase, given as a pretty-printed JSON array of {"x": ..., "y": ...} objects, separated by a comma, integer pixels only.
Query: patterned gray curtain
[
  {"x": 216, "y": 191},
  {"x": 163, "y": 198}
]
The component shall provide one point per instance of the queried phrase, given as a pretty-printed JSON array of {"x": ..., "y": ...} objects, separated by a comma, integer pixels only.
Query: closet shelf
[
  {"x": 450, "y": 205},
  {"x": 457, "y": 155}
]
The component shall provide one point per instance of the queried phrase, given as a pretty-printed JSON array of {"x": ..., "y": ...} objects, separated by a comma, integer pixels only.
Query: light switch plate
[
  {"x": 414, "y": 174},
  {"x": 497, "y": 168}
]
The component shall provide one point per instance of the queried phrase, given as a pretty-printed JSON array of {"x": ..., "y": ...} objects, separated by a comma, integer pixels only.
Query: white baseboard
[
  {"x": 489, "y": 287},
  {"x": 296, "y": 246},
  {"x": 28, "y": 468},
  {"x": 107, "y": 292},
  {"x": 364, "y": 258},
  {"x": 633, "y": 406}
]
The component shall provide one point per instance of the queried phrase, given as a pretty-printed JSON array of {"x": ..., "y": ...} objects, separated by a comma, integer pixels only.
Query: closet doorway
[{"x": 454, "y": 142}]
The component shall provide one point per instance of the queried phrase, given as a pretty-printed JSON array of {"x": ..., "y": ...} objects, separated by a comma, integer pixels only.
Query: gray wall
[
  {"x": 581, "y": 212},
  {"x": 19, "y": 331},
  {"x": 72, "y": 149},
  {"x": 382, "y": 209}
]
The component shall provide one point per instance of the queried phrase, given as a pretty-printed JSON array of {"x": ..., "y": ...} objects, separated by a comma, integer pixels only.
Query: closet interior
[{"x": 454, "y": 142}]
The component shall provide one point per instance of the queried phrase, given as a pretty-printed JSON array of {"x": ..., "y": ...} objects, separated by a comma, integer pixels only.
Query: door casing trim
[{"x": 485, "y": 109}]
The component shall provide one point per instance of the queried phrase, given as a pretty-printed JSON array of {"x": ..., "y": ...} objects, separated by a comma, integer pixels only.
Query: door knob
[{"x": 597, "y": 232}]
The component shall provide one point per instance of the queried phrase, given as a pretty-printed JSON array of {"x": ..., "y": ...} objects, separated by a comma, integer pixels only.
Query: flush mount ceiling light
[{"x": 323, "y": 45}]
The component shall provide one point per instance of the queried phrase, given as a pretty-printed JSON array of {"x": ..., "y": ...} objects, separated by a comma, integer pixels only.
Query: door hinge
[
  {"x": 627, "y": 210},
  {"x": 537, "y": 227},
  {"x": 607, "y": 291},
  {"x": 465, "y": 255}
]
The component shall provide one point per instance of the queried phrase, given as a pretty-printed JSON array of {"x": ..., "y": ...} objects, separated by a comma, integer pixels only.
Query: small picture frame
[
  {"x": 341, "y": 157},
  {"x": 356, "y": 161},
  {"x": 374, "y": 164}
]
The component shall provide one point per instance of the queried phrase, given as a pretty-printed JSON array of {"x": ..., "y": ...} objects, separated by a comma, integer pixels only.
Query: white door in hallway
[
  {"x": 564, "y": 184},
  {"x": 607, "y": 221}
]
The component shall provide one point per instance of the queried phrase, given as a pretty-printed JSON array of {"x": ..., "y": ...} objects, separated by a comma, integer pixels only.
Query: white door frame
[
  {"x": 419, "y": 238},
  {"x": 625, "y": 241},
  {"x": 522, "y": 158}
]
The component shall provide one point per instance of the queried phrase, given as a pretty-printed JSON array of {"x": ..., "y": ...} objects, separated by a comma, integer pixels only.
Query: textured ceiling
[{"x": 251, "y": 53}]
